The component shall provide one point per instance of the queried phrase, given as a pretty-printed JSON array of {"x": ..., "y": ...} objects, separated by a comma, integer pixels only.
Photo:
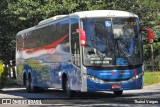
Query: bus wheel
[
  {"x": 24, "y": 79},
  {"x": 29, "y": 86},
  {"x": 118, "y": 93},
  {"x": 67, "y": 89}
]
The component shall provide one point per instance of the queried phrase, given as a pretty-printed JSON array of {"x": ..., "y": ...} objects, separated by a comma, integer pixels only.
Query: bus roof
[
  {"x": 103, "y": 13},
  {"x": 84, "y": 14}
]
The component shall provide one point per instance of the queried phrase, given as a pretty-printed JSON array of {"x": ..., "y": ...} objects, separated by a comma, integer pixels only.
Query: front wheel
[
  {"x": 118, "y": 93},
  {"x": 68, "y": 92}
]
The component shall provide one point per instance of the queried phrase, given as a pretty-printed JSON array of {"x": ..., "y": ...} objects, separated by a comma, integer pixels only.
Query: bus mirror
[
  {"x": 149, "y": 34},
  {"x": 82, "y": 36}
]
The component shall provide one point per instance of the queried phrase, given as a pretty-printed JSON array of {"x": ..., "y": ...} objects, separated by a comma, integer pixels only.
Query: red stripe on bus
[{"x": 50, "y": 46}]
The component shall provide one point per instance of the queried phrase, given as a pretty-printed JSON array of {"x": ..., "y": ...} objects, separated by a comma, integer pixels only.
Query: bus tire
[
  {"x": 118, "y": 93},
  {"x": 68, "y": 92},
  {"x": 29, "y": 85},
  {"x": 24, "y": 79}
]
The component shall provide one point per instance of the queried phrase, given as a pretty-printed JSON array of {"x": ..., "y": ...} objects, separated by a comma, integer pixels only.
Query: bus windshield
[{"x": 112, "y": 42}]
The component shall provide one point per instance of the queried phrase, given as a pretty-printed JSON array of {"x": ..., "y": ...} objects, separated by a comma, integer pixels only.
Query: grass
[{"x": 151, "y": 78}]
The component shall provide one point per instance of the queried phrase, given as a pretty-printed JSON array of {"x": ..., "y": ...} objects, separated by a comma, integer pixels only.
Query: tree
[{"x": 16, "y": 15}]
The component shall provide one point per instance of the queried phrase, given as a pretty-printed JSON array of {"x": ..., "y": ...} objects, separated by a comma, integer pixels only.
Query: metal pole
[{"x": 152, "y": 56}]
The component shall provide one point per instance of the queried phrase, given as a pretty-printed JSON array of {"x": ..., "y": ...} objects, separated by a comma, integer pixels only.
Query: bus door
[{"x": 75, "y": 71}]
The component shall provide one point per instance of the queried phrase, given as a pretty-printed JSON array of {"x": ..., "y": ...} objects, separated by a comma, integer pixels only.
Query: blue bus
[{"x": 86, "y": 51}]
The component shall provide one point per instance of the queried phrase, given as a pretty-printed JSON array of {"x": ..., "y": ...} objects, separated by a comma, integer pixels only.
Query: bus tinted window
[{"x": 48, "y": 35}]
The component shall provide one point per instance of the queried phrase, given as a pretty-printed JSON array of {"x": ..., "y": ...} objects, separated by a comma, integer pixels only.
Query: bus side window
[{"x": 75, "y": 46}]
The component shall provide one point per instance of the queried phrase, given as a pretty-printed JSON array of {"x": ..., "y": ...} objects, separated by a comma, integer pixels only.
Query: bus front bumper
[{"x": 131, "y": 84}]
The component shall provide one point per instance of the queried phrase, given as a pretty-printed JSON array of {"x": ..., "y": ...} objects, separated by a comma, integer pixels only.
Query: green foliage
[
  {"x": 1, "y": 68},
  {"x": 3, "y": 74}
]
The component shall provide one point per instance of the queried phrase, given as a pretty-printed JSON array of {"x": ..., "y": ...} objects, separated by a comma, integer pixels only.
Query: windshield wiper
[{"x": 122, "y": 52}]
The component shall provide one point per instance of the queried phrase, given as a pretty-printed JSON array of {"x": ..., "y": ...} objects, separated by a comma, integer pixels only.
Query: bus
[{"x": 87, "y": 51}]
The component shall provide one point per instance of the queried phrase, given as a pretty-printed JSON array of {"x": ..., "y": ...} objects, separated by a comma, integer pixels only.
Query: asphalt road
[{"x": 148, "y": 96}]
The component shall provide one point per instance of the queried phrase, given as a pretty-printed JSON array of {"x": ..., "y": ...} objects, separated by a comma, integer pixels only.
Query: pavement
[{"x": 148, "y": 96}]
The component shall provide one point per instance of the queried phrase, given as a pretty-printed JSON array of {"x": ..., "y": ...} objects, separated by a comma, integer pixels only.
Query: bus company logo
[
  {"x": 124, "y": 73},
  {"x": 6, "y": 101},
  {"x": 106, "y": 73}
]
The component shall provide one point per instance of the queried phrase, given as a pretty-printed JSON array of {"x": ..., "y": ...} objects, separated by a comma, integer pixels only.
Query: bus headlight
[
  {"x": 93, "y": 78},
  {"x": 137, "y": 76}
]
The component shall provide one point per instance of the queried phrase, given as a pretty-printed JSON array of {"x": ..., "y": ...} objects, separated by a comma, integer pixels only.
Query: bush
[
  {"x": 3, "y": 74},
  {"x": 1, "y": 68}
]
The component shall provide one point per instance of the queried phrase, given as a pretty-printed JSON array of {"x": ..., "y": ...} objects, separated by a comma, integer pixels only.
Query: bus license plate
[{"x": 116, "y": 86}]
